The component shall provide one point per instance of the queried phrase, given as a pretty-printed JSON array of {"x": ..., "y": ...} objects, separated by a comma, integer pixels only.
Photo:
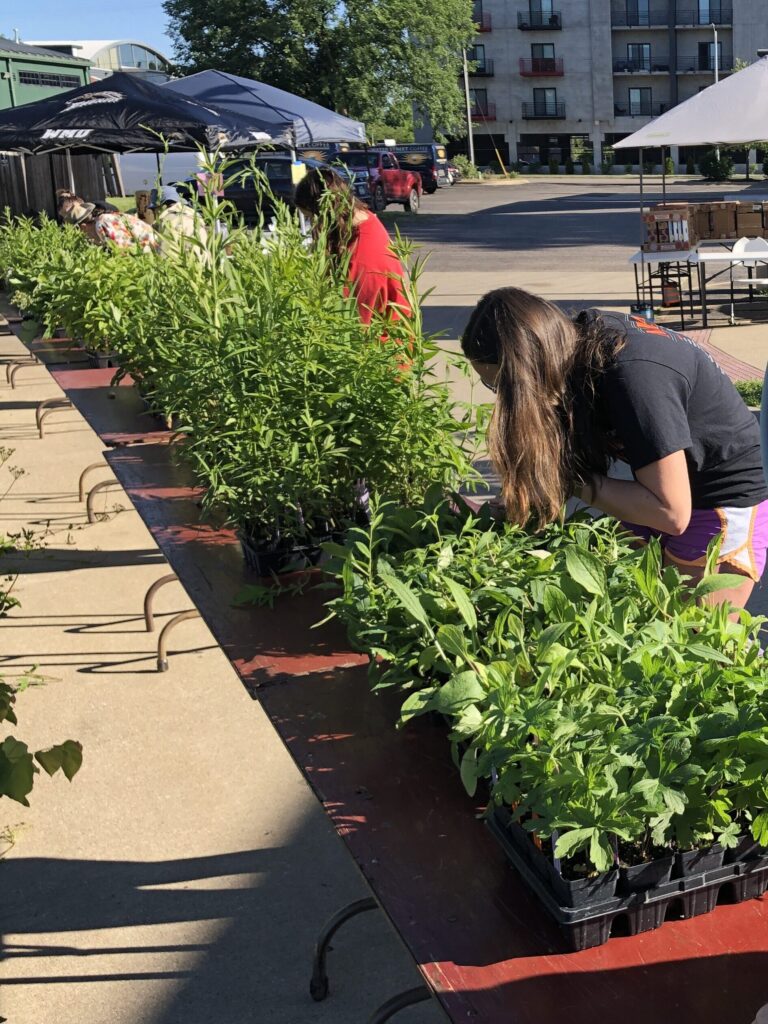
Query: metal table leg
[
  {"x": 318, "y": 985},
  {"x": 703, "y": 295},
  {"x": 400, "y": 1002}
]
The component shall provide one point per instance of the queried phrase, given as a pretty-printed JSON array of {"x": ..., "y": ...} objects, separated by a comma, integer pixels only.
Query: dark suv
[{"x": 248, "y": 201}]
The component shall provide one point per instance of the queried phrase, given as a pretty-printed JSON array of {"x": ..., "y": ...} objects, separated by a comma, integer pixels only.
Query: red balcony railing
[
  {"x": 541, "y": 67},
  {"x": 483, "y": 112}
]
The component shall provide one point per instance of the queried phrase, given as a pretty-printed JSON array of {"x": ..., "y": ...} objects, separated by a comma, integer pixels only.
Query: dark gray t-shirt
[{"x": 664, "y": 393}]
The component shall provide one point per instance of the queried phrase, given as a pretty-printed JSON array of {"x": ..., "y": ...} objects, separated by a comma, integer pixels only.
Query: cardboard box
[
  {"x": 669, "y": 228},
  {"x": 749, "y": 220},
  {"x": 724, "y": 220},
  {"x": 701, "y": 215}
]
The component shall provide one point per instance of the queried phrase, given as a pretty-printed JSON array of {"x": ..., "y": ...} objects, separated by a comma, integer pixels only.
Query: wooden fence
[{"x": 28, "y": 183}]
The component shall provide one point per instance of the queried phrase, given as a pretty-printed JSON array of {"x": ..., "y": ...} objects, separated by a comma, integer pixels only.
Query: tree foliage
[{"x": 370, "y": 60}]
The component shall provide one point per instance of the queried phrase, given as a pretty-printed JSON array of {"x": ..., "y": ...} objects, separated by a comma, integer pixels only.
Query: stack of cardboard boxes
[{"x": 674, "y": 227}]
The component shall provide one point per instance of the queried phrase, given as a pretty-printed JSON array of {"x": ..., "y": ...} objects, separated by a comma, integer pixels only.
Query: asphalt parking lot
[{"x": 557, "y": 226}]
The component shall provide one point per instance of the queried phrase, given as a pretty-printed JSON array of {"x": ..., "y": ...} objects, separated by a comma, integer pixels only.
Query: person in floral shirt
[{"x": 123, "y": 230}]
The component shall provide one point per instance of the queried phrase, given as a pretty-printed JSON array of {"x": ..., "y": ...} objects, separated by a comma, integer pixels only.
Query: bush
[
  {"x": 465, "y": 166},
  {"x": 569, "y": 168},
  {"x": 586, "y": 165},
  {"x": 534, "y": 167},
  {"x": 751, "y": 391},
  {"x": 690, "y": 165},
  {"x": 553, "y": 165},
  {"x": 606, "y": 167},
  {"x": 629, "y": 168},
  {"x": 669, "y": 166},
  {"x": 649, "y": 167},
  {"x": 715, "y": 169}
]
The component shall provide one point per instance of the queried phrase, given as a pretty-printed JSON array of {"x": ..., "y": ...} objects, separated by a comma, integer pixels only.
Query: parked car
[
  {"x": 242, "y": 192},
  {"x": 387, "y": 182},
  {"x": 429, "y": 159}
]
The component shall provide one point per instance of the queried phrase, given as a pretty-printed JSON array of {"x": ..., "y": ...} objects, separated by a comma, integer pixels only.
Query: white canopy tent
[
  {"x": 735, "y": 111},
  {"x": 731, "y": 112}
]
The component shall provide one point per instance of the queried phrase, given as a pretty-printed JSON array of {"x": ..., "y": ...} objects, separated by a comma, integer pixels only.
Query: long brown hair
[
  {"x": 332, "y": 204},
  {"x": 545, "y": 435}
]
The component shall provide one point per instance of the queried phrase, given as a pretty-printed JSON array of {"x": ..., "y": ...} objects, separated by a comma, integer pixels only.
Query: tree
[{"x": 370, "y": 59}]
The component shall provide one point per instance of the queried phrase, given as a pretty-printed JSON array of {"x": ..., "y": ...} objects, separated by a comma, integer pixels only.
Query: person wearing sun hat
[
  {"x": 178, "y": 225},
  {"x": 120, "y": 229}
]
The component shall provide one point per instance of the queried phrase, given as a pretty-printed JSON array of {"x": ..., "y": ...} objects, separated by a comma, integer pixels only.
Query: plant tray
[
  {"x": 686, "y": 897},
  {"x": 103, "y": 360}
]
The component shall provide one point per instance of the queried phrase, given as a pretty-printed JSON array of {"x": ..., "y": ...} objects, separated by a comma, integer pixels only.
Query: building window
[
  {"x": 478, "y": 100},
  {"x": 49, "y": 80},
  {"x": 545, "y": 102},
  {"x": 639, "y": 102},
  {"x": 639, "y": 56},
  {"x": 638, "y": 12},
  {"x": 476, "y": 54},
  {"x": 543, "y": 7},
  {"x": 708, "y": 55}
]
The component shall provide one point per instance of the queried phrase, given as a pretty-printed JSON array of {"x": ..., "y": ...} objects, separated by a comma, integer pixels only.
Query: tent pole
[
  {"x": 642, "y": 231},
  {"x": 70, "y": 172},
  {"x": 663, "y": 177}
]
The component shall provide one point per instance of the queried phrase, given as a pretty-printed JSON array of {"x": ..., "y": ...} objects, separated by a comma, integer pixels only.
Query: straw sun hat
[{"x": 77, "y": 212}]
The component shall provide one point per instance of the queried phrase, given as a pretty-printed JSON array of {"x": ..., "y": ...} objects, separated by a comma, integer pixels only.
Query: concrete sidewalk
[{"x": 184, "y": 874}]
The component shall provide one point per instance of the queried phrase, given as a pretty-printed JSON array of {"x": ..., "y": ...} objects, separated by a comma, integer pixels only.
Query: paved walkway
[{"x": 184, "y": 874}]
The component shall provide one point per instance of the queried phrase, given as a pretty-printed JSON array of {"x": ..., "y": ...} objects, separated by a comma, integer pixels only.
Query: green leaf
[
  {"x": 463, "y": 603},
  {"x": 468, "y": 770},
  {"x": 17, "y": 770},
  {"x": 760, "y": 828},
  {"x": 462, "y": 689},
  {"x": 717, "y": 581},
  {"x": 586, "y": 569},
  {"x": 570, "y": 842},
  {"x": 452, "y": 641},
  {"x": 416, "y": 704},
  {"x": 707, "y": 653},
  {"x": 407, "y": 599},
  {"x": 67, "y": 756}
]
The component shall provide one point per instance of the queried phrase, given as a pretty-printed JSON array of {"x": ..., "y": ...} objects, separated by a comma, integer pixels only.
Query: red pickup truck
[{"x": 388, "y": 182}]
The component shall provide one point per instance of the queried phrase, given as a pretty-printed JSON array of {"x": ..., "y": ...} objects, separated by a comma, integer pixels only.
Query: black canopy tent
[
  {"x": 123, "y": 114},
  {"x": 126, "y": 114}
]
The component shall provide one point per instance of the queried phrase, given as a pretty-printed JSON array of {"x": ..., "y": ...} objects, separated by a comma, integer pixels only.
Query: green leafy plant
[
  {"x": 629, "y": 168},
  {"x": 586, "y": 164},
  {"x": 554, "y": 165},
  {"x": 690, "y": 165},
  {"x": 751, "y": 391},
  {"x": 615, "y": 715},
  {"x": 669, "y": 165},
  {"x": 569, "y": 168},
  {"x": 465, "y": 166}
]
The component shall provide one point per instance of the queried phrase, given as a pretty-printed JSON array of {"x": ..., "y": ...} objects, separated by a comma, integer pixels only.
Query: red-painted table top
[{"x": 395, "y": 798}]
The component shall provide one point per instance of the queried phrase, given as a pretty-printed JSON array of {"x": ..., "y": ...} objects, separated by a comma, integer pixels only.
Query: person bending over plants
[
  {"x": 572, "y": 395},
  {"x": 353, "y": 232},
  {"x": 123, "y": 230}
]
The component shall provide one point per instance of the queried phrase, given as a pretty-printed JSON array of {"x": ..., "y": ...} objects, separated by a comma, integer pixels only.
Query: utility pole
[
  {"x": 713, "y": 26},
  {"x": 470, "y": 138}
]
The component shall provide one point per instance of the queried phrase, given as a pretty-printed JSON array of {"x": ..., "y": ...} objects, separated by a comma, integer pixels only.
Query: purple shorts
[{"x": 744, "y": 532}]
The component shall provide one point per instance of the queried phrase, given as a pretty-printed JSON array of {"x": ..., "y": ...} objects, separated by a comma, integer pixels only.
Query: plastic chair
[{"x": 755, "y": 252}]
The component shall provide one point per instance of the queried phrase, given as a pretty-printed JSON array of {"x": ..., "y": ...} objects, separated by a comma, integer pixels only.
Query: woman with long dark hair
[
  {"x": 351, "y": 230},
  {"x": 573, "y": 395}
]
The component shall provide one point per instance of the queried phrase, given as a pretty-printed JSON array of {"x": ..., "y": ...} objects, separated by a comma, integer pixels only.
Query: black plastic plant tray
[{"x": 591, "y": 925}]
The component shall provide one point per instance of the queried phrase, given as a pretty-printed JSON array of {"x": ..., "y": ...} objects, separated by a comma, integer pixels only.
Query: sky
[{"x": 143, "y": 20}]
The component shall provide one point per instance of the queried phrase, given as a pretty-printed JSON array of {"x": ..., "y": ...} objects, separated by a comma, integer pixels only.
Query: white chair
[{"x": 755, "y": 263}]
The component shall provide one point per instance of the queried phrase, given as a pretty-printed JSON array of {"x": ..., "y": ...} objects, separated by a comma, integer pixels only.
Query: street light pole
[
  {"x": 470, "y": 138},
  {"x": 713, "y": 26}
]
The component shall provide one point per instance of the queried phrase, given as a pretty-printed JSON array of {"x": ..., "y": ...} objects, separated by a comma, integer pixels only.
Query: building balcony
[
  {"x": 543, "y": 111},
  {"x": 483, "y": 112},
  {"x": 482, "y": 21},
  {"x": 657, "y": 18},
  {"x": 541, "y": 67},
  {"x": 642, "y": 66},
  {"x": 483, "y": 69},
  {"x": 530, "y": 21},
  {"x": 702, "y": 16},
  {"x": 640, "y": 109},
  {"x": 704, "y": 66}
]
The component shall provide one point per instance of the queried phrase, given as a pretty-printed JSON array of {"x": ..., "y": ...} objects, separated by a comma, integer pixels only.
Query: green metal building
[{"x": 31, "y": 73}]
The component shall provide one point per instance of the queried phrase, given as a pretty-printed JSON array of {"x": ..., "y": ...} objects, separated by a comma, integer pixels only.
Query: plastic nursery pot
[
  {"x": 103, "y": 360},
  {"x": 694, "y": 862},
  {"x": 270, "y": 557},
  {"x": 580, "y": 892},
  {"x": 746, "y": 849},
  {"x": 641, "y": 877}
]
